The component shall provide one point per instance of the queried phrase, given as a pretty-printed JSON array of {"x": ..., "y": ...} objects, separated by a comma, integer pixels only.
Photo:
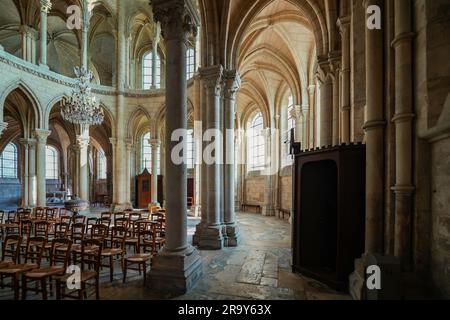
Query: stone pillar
[
  {"x": 326, "y": 106},
  {"x": 76, "y": 170},
  {"x": 25, "y": 183},
  {"x": 83, "y": 165},
  {"x": 155, "y": 143},
  {"x": 268, "y": 208},
  {"x": 32, "y": 180},
  {"x": 232, "y": 84},
  {"x": 374, "y": 130},
  {"x": 335, "y": 69},
  {"x": 403, "y": 120},
  {"x": 46, "y": 6},
  {"x": 120, "y": 161},
  {"x": 41, "y": 136},
  {"x": 85, "y": 35},
  {"x": 344, "y": 28},
  {"x": 211, "y": 236},
  {"x": 178, "y": 267},
  {"x": 312, "y": 114},
  {"x": 29, "y": 36},
  {"x": 155, "y": 42},
  {"x": 298, "y": 124},
  {"x": 129, "y": 150}
]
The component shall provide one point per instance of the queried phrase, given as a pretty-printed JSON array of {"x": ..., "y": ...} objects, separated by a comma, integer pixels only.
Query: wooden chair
[
  {"x": 10, "y": 251},
  {"x": 52, "y": 214},
  {"x": 59, "y": 259},
  {"x": 159, "y": 236},
  {"x": 89, "y": 223},
  {"x": 25, "y": 230},
  {"x": 117, "y": 249},
  {"x": 105, "y": 221},
  {"x": 64, "y": 213},
  {"x": 143, "y": 256},
  {"x": 157, "y": 215},
  {"x": 98, "y": 232},
  {"x": 79, "y": 219},
  {"x": 33, "y": 257},
  {"x": 41, "y": 229},
  {"x": 66, "y": 219},
  {"x": 122, "y": 222},
  {"x": 106, "y": 215},
  {"x": 40, "y": 213},
  {"x": 91, "y": 251},
  {"x": 77, "y": 232},
  {"x": 119, "y": 215},
  {"x": 61, "y": 230}
]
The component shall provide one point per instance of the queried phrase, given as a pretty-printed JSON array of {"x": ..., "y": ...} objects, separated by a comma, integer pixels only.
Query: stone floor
[{"x": 258, "y": 269}]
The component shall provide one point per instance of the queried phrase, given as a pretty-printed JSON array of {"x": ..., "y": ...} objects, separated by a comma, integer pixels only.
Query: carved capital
[
  {"x": 46, "y": 6},
  {"x": 3, "y": 126},
  {"x": 83, "y": 141},
  {"x": 28, "y": 143},
  {"x": 42, "y": 135},
  {"x": 155, "y": 143},
  {"x": 231, "y": 84},
  {"x": 176, "y": 18},
  {"x": 212, "y": 78}
]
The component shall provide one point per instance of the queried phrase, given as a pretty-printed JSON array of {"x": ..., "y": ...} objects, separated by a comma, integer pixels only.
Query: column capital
[
  {"x": 312, "y": 89},
  {"x": 212, "y": 77},
  {"x": 42, "y": 135},
  {"x": 343, "y": 24},
  {"x": 83, "y": 141},
  {"x": 177, "y": 17},
  {"x": 155, "y": 143},
  {"x": 28, "y": 143},
  {"x": 231, "y": 83},
  {"x": 46, "y": 6}
]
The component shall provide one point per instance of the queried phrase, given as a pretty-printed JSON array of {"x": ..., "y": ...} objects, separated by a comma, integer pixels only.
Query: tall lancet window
[
  {"x": 52, "y": 164},
  {"x": 190, "y": 63},
  {"x": 8, "y": 162},
  {"x": 147, "y": 71},
  {"x": 256, "y": 143}
]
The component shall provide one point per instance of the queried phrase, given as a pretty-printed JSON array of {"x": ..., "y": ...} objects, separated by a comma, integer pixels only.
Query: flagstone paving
[{"x": 259, "y": 268}]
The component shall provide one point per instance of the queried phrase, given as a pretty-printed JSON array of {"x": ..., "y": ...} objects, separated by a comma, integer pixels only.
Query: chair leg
[
  {"x": 125, "y": 272},
  {"x": 111, "y": 268},
  {"x": 44, "y": 289},
  {"x": 16, "y": 286},
  {"x": 97, "y": 288},
  {"x": 24, "y": 287},
  {"x": 145, "y": 273}
]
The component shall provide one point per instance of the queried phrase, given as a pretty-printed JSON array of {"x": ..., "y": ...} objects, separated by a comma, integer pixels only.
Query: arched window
[
  {"x": 147, "y": 71},
  {"x": 101, "y": 165},
  {"x": 52, "y": 164},
  {"x": 190, "y": 149},
  {"x": 256, "y": 145},
  {"x": 8, "y": 162},
  {"x": 146, "y": 154},
  {"x": 190, "y": 63}
]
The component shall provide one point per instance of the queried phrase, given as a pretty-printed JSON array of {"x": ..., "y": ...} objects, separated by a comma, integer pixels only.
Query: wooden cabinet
[
  {"x": 329, "y": 213},
  {"x": 144, "y": 189}
]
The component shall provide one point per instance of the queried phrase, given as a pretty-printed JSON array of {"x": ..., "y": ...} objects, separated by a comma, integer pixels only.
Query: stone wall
[
  {"x": 440, "y": 253},
  {"x": 285, "y": 199},
  {"x": 254, "y": 190}
]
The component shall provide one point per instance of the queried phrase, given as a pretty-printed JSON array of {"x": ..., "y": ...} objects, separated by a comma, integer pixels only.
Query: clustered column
[
  {"x": 41, "y": 137},
  {"x": 232, "y": 84},
  {"x": 403, "y": 120},
  {"x": 46, "y": 6},
  {"x": 344, "y": 28},
  {"x": 83, "y": 164},
  {"x": 85, "y": 35},
  {"x": 155, "y": 144},
  {"x": 211, "y": 236},
  {"x": 29, "y": 36},
  {"x": 177, "y": 267}
]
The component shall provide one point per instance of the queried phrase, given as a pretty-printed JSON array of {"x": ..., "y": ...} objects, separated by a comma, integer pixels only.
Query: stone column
[
  {"x": 85, "y": 35},
  {"x": 326, "y": 111},
  {"x": 374, "y": 130},
  {"x": 312, "y": 114},
  {"x": 178, "y": 266},
  {"x": 344, "y": 28},
  {"x": 29, "y": 36},
  {"x": 41, "y": 136},
  {"x": 32, "y": 181},
  {"x": 268, "y": 208},
  {"x": 46, "y": 6},
  {"x": 211, "y": 235},
  {"x": 335, "y": 69},
  {"x": 155, "y": 42},
  {"x": 129, "y": 150},
  {"x": 25, "y": 184},
  {"x": 232, "y": 84},
  {"x": 83, "y": 165},
  {"x": 403, "y": 120},
  {"x": 120, "y": 161},
  {"x": 155, "y": 143}
]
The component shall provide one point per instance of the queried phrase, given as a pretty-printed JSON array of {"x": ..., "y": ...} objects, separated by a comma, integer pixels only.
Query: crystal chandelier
[{"x": 82, "y": 107}]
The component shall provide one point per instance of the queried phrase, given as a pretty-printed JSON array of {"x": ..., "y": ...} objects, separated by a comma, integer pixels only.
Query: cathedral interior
[{"x": 327, "y": 123}]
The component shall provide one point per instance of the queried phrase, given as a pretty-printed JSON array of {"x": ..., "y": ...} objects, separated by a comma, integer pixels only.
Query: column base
[
  {"x": 198, "y": 232},
  {"x": 120, "y": 207},
  {"x": 210, "y": 238},
  {"x": 232, "y": 235},
  {"x": 176, "y": 273},
  {"x": 390, "y": 278},
  {"x": 268, "y": 211}
]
